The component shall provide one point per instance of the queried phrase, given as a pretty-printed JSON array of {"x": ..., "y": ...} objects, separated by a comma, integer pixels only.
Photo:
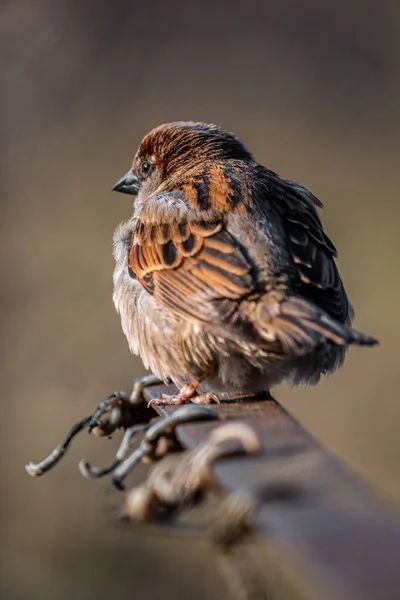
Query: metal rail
[{"x": 323, "y": 533}]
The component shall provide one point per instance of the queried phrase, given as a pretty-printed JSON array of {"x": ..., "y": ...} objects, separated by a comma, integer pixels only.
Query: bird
[{"x": 224, "y": 276}]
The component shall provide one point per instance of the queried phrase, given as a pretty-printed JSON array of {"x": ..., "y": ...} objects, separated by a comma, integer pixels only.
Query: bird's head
[{"x": 174, "y": 153}]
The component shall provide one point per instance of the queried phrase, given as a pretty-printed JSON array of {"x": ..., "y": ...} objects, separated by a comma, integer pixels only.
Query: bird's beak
[{"x": 128, "y": 184}]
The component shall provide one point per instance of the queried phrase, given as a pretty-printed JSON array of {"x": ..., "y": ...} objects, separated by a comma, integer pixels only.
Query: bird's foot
[{"x": 186, "y": 393}]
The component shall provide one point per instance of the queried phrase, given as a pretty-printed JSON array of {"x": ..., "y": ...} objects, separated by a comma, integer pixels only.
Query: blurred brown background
[{"x": 313, "y": 89}]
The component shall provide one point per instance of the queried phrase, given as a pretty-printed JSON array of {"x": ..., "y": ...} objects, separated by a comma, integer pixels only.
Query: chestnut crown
[{"x": 174, "y": 148}]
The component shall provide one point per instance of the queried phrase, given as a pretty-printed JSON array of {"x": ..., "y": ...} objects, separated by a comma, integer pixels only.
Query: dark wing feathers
[{"x": 312, "y": 250}]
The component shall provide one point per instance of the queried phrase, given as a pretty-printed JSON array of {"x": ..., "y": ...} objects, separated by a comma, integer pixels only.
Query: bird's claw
[{"x": 176, "y": 400}]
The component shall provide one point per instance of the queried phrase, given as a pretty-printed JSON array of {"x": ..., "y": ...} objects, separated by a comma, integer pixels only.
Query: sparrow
[{"x": 224, "y": 274}]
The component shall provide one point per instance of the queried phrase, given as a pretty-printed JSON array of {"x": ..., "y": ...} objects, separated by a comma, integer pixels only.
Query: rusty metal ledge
[{"x": 335, "y": 539}]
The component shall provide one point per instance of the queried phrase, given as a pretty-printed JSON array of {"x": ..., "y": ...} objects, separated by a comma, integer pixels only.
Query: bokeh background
[{"x": 313, "y": 89}]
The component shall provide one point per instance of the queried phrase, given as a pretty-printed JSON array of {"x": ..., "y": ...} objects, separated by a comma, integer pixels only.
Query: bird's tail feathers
[{"x": 301, "y": 326}]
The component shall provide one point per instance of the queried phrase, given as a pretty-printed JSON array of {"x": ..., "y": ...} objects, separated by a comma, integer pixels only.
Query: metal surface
[{"x": 325, "y": 529}]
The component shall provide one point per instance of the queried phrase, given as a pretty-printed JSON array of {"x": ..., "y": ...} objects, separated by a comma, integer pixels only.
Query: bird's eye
[{"x": 145, "y": 166}]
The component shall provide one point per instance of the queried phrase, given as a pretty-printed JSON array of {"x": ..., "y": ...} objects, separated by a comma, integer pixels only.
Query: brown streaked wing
[{"x": 190, "y": 268}]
